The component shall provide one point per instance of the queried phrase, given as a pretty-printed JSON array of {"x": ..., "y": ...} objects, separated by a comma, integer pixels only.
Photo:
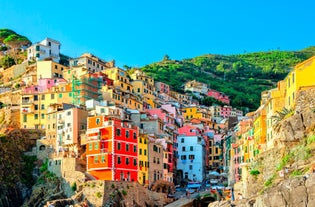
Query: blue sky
[{"x": 136, "y": 33}]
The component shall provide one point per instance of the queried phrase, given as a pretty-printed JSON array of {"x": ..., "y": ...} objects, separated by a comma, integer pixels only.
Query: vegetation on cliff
[
  {"x": 10, "y": 50},
  {"x": 16, "y": 168},
  {"x": 242, "y": 77}
]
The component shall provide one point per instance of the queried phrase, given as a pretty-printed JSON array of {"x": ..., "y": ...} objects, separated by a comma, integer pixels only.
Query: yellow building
[
  {"x": 119, "y": 76},
  {"x": 274, "y": 103},
  {"x": 191, "y": 112},
  {"x": 122, "y": 98},
  {"x": 35, "y": 103},
  {"x": 143, "y": 157},
  {"x": 302, "y": 75},
  {"x": 260, "y": 130},
  {"x": 50, "y": 69}
]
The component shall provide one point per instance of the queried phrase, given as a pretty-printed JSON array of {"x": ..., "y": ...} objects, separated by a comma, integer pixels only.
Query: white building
[
  {"x": 47, "y": 48},
  {"x": 191, "y": 153}
]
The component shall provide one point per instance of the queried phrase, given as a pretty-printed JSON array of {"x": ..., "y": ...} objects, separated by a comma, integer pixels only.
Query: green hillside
[{"x": 242, "y": 77}]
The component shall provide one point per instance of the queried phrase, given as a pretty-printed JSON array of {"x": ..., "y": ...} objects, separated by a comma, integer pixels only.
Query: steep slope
[{"x": 231, "y": 74}]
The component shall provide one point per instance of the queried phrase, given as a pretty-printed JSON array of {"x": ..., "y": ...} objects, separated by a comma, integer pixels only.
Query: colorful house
[
  {"x": 191, "y": 153},
  {"x": 301, "y": 75},
  {"x": 191, "y": 112},
  {"x": 218, "y": 96},
  {"x": 143, "y": 156},
  {"x": 112, "y": 149}
]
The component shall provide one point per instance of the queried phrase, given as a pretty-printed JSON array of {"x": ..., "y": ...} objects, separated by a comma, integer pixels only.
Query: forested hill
[{"x": 242, "y": 77}]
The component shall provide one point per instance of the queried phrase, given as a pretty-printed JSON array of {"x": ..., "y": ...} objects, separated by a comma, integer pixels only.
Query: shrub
[
  {"x": 296, "y": 173},
  {"x": 113, "y": 186},
  {"x": 98, "y": 194},
  {"x": 254, "y": 172},
  {"x": 310, "y": 139},
  {"x": 269, "y": 181},
  {"x": 124, "y": 192},
  {"x": 74, "y": 186}
]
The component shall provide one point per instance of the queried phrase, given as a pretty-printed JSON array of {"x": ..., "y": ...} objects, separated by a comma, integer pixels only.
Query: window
[
  {"x": 182, "y": 140},
  {"x": 140, "y": 140},
  {"x": 135, "y": 135},
  {"x": 183, "y": 157},
  {"x": 118, "y": 146},
  {"x": 145, "y": 152},
  {"x": 35, "y": 116},
  {"x": 118, "y": 160},
  {"x": 292, "y": 77},
  {"x": 52, "y": 96},
  {"x": 91, "y": 146},
  {"x": 60, "y": 95},
  {"x": 190, "y": 167},
  {"x": 191, "y": 157},
  {"x": 69, "y": 113},
  {"x": 24, "y": 118},
  {"x": 127, "y": 147},
  {"x": 42, "y": 106},
  {"x": 117, "y": 132},
  {"x": 35, "y": 107},
  {"x": 191, "y": 148},
  {"x": 134, "y": 162},
  {"x": 96, "y": 146},
  {"x": 140, "y": 151},
  {"x": 134, "y": 148},
  {"x": 43, "y": 97},
  {"x": 98, "y": 121},
  {"x": 183, "y": 149},
  {"x": 43, "y": 116},
  {"x": 127, "y": 134},
  {"x": 145, "y": 141},
  {"x": 127, "y": 161}
]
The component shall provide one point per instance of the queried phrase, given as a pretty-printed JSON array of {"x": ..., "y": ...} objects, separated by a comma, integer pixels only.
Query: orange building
[{"x": 112, "y": 149}]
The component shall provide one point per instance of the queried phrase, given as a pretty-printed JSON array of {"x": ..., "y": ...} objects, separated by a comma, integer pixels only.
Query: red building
[
  {"x": 219, "y": 96},
  {"x": 112, "y": 149}
]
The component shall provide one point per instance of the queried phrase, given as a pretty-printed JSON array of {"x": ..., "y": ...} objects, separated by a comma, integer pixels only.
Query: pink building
[
  {"x": 162, "y": 87},
  {"x": 44, "y": 85},
  {"x": 226, "y": 111},
  {"x": 218, "y": 96}
]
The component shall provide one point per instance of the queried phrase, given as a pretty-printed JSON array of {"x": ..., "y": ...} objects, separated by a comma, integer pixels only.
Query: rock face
[{"x": 293, "y": 192}]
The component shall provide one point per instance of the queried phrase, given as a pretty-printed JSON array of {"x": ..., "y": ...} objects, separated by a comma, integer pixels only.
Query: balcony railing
[{"x": 27, "y": 102}]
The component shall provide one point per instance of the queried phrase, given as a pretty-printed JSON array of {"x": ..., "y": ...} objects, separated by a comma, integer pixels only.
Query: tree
[
  {"x": 16, "y": 41},
  {"x": 4, "y": 33},
  {"x": 166, "y": 58}
]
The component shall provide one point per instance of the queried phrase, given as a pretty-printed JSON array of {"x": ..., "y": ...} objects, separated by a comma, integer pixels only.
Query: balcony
[{"x": 27, "y": 102}]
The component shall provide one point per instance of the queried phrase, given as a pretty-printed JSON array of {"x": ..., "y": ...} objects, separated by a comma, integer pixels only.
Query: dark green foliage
[
  {"x": 6, "y": 61},
  {"x": 209, "y": 101},
  {"x": 44, "y": 166},
  {"x": 74, "y": 186},
  {"x": 27, "y": 173},
  {"x": 254, "y": 172},
  {"x": 242, "y": 77},
  {"x": 124, "y": 192}
]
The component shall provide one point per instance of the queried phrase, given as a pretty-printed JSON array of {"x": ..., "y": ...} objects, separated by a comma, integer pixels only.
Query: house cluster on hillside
[
  {"x": 112, "y": 125},
  {"x": 256, "y": 134}
]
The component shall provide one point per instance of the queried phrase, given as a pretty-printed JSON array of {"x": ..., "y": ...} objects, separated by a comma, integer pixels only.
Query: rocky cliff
[{"x": 287, "y": 171}]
